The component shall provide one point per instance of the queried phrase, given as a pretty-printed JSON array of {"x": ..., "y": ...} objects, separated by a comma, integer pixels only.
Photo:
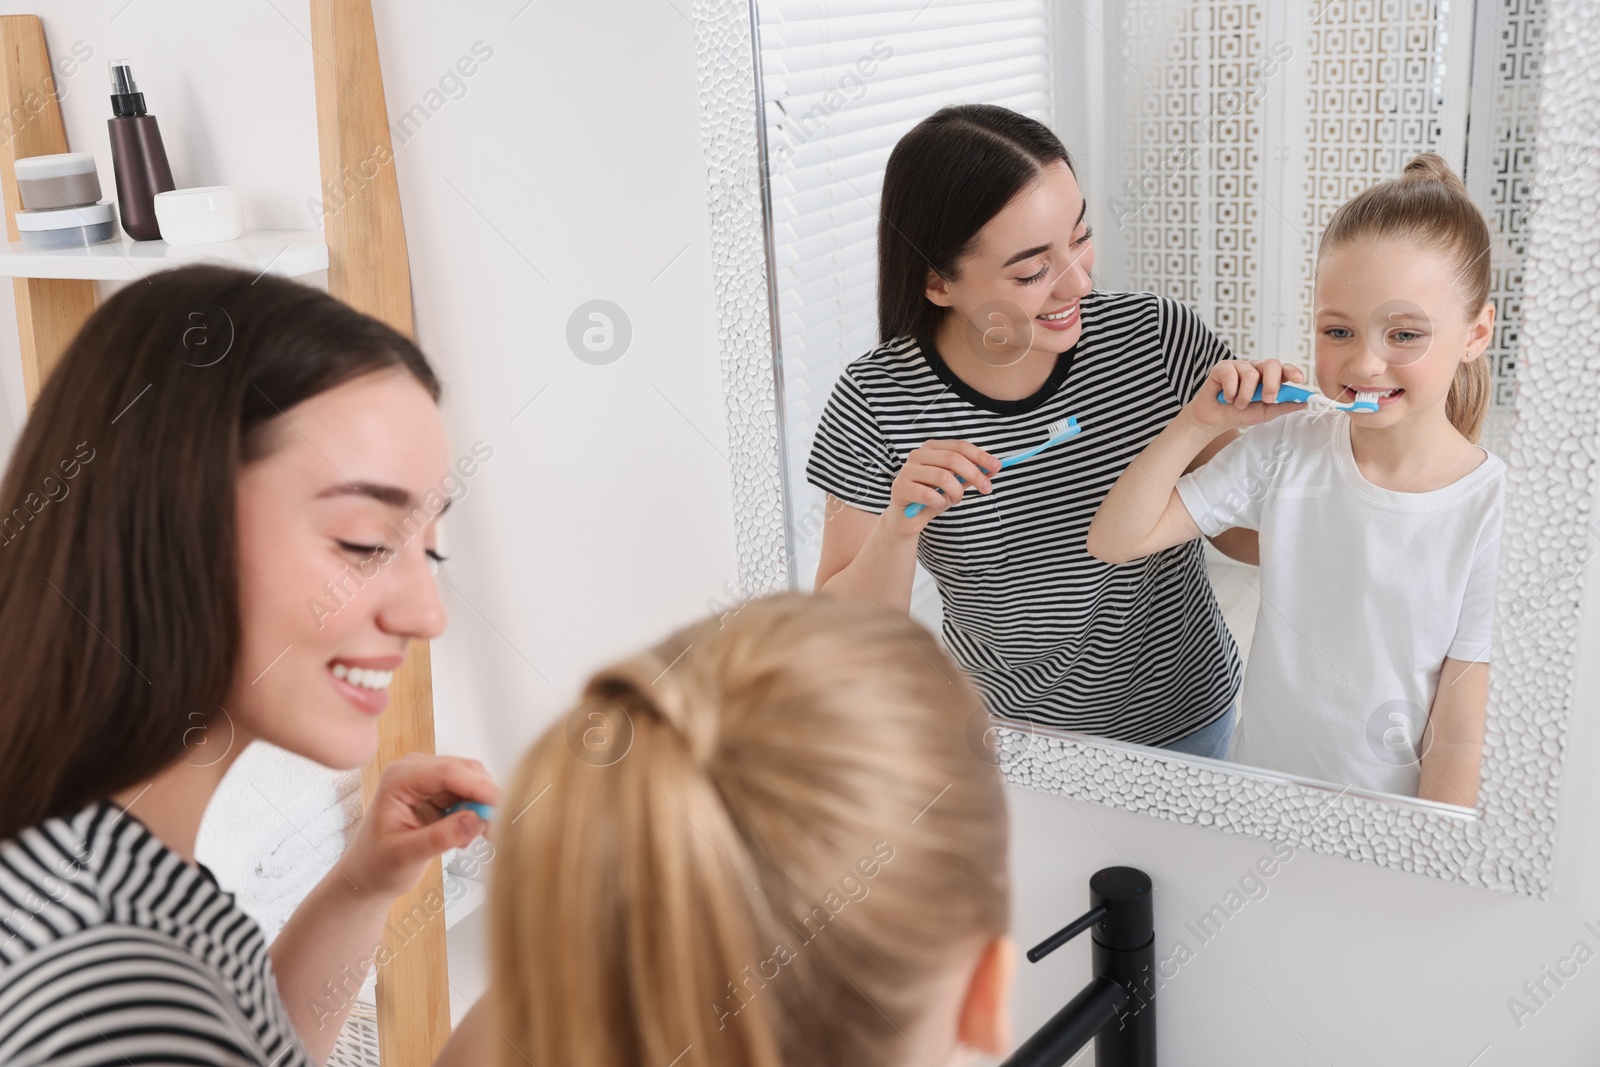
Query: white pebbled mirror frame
[{"x": 1508, "y": 843}]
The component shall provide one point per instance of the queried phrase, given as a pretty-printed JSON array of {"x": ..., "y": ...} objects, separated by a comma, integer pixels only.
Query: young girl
[
  {"x": 765, "y": 840},
  {"x": 992, "y": 331},
  {"x": 1379, "y": 531}
]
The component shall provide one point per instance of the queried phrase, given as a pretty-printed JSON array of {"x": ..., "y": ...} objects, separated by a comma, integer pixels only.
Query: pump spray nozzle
[{"x": 126, "y": 99}]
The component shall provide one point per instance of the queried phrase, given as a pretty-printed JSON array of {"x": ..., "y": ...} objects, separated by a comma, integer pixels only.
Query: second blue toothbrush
[{"x": 1056, "y": 432}]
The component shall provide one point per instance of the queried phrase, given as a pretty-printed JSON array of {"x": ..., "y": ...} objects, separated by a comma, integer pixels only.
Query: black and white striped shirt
[
  {"x": 1137, "y": 652},
  {"x": 114, "y": 950}
]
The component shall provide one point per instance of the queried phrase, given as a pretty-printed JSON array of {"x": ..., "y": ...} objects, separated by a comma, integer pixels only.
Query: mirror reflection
[{"x": 1174, "y": 408}]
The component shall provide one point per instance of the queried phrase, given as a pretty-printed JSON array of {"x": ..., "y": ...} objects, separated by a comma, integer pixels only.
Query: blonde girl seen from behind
[{"x": 772, "y": 840}]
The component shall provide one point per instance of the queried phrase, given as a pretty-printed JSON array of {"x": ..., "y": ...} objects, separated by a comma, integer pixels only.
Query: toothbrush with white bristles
[
  {"x": 1055, "y": 433},
  {"x": 1288, "y": 392}
]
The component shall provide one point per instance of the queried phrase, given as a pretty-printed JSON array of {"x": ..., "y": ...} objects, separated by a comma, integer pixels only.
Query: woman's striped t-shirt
[
  {"x": 1139, "y": 651},
  {"x": 114, "y": 950}
]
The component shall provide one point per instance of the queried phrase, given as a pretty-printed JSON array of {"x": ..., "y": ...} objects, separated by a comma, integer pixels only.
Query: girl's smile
[{"x": 1386, "y": 396}]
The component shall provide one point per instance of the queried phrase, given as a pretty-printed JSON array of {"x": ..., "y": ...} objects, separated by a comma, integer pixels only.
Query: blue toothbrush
[
  {"x": 482, "y": 811},
  {"x": 1056, "y": 432},
  {"x": 1291, "y": 393}
]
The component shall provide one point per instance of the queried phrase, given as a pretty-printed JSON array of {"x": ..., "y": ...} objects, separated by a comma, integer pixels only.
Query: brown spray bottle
[{"x": 137, "y": 156}]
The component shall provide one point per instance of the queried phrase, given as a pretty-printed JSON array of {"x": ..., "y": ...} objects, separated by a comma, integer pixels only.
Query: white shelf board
[{"x": 285, "y": 252}]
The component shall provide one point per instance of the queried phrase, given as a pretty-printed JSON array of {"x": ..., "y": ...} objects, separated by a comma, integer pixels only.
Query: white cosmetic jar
[
  {"x": 65, "y": 179},
  {"x": 200, "y": 216},
  {"x": 67, "y": 227}
]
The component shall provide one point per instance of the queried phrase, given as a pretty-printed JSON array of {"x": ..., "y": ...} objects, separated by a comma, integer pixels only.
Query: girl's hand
[
  {"x": 934, "y": 466},
  {"x": 403, "y": 829},
  {"x": 1236, "y": 380}
]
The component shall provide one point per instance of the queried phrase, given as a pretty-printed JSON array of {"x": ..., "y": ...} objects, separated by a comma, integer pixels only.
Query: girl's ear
[
  {"x": 937, "y": 289},
  {"x": 985, "y": 1022},
  {"x": 1479, "y": 334}
]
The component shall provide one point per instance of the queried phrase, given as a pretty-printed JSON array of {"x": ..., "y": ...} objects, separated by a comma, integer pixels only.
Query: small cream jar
[
  {"x": 66, "y": 179},
  {"x": 201, "y": 216},
  {"x": 67, "y": 227}
]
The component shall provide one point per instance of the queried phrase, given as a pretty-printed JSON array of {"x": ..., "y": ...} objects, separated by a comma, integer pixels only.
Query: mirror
[{"x": 1211, "y": 144}]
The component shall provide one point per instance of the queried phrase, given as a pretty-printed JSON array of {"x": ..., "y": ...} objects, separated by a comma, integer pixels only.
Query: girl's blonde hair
[
  {"x": 753, "y": 845},
  {"x": 1429, "y": 204}
]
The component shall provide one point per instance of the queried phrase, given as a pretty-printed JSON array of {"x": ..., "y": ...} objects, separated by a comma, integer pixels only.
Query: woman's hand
[
  {"x": 403, "y": 829},
  {"x": 937, "y": 465},
  {"x": 1236, "y": 380}
]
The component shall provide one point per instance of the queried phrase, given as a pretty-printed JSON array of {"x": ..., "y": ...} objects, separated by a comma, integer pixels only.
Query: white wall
[{"x": 605, "y": 515}]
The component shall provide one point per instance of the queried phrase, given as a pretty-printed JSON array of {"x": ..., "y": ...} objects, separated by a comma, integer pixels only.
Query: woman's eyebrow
[
  {"x": 1029, "y": 253},
  {"x": 392, "y": 495}
]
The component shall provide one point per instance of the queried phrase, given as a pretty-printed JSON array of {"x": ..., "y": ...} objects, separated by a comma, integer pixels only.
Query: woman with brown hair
[
  {"x": 771, "y": 840},
  {"x": 217, "y": 526},
  {"x": 992, "y": 333}
]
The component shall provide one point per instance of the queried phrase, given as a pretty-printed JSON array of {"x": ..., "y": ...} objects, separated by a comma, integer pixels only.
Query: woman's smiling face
[
  {"x": 336, "y": 524},
  {"x": 1019, "y": 286}
]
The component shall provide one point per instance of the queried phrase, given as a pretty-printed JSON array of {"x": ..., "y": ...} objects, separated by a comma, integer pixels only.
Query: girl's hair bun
[{"x": 1431, "y": 167}]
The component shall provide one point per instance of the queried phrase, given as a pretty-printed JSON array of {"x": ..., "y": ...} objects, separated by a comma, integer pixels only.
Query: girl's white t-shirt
[{"x": 1364, "y": 592}]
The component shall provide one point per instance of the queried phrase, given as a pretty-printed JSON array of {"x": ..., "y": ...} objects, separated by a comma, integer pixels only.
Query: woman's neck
[
  {"x": 172, "y": 803},
  {"x": 1415, "y": 455},
  {"x": 1005, "y": 375}
]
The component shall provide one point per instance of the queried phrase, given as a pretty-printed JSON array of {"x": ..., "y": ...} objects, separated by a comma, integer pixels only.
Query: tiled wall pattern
[
  {"x": 1376, "y": 99},
  {"x": 1188, "y": 205},
  {"x": 1202, "y": 216},
  {"x": 1510, "y": 156}
]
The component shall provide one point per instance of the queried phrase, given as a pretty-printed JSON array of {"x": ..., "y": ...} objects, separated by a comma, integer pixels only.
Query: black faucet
[{"x": 1123, "y": 989}]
